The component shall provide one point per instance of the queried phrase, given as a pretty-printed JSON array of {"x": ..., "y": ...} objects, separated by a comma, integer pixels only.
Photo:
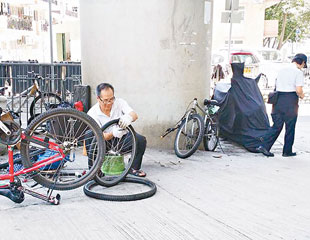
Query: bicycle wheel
[
  {"x": 39, "y": 104},
  {"x": 71, "y": 132},
  {"x": 210, "y": 138},
  {"x": 189, "y": 136},
  {"x": 119, "y": 156}
]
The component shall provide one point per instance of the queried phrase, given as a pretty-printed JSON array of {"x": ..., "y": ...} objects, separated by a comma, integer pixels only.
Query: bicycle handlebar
[
  {"x": 211, "y": 102},
  {"x": 36, "y": 75},
  {"x": 169, "y": 130}
]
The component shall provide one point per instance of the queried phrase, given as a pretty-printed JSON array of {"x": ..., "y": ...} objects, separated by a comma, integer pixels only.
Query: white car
[
  {"x": 271, "y": 61},
  {"x": 220, "y": 59}
]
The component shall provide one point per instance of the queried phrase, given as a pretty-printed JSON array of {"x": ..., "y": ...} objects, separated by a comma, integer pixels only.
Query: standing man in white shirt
[
  {"x": 289, "y": 85},
  {"x": 109, "y": 108}
]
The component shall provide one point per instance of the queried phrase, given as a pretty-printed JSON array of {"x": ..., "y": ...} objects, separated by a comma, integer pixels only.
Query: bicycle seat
[
  {"x": 2, "y": 89},
  {"x": 15, "y": 195},
  {"x": 210, "y": 102}
]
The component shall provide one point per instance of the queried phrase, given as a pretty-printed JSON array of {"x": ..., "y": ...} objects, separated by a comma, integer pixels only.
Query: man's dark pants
[{"x": 284, "y": 111}]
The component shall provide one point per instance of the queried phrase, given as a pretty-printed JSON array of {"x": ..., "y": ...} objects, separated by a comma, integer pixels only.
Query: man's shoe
[
  {"x": 264, "y": 151},
  {"x": 292, "y": 154}
]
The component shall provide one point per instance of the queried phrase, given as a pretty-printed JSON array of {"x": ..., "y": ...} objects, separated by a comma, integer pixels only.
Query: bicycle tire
[
  {"x": 195, "y": 145},
  {"x": 210, "y": 138},
  {"x": 132, "y": 197},
  {"x": 73, "y": 172},
  {"x": 54, "y": 98},
  {"x": 106, "y": 180}
]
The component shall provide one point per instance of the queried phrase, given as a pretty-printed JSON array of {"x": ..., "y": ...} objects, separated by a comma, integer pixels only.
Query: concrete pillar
[{"x": 156, "y": 54}]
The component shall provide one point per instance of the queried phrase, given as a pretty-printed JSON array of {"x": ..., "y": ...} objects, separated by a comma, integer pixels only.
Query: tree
[{"x": 292, "y": 15}]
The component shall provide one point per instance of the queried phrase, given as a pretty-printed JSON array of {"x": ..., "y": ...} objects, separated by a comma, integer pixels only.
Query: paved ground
[{"x": 230, "y": 195}]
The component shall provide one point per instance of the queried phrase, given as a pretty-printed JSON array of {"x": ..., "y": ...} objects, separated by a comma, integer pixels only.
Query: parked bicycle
[
  {"x": 192, "y": 128},
  {"x": 46, "y": 98},
  {"x": 40, "y": 93},
  {"x": 51, "y": 153}
]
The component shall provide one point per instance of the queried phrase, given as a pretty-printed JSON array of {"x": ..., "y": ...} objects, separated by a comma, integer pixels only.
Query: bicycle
[
  {"x": 47, "y": 100},
  {"x": 193, "y": 128},
  {"x": 51, "y": 153},
  {"x": 35, "y": 92}
]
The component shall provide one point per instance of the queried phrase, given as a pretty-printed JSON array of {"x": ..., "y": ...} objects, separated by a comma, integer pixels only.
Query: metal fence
[
  {"x": 11, "y": 73},
  {"x": 18, "y": 80}
]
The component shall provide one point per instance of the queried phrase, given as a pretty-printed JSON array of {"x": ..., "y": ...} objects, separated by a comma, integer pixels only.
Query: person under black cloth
[
  {"x": 289, "y": 85},
  {"x": 109, "y": 108}
]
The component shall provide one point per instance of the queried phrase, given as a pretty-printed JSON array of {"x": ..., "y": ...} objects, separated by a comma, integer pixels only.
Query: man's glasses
[{"x": 107, "y": 101}]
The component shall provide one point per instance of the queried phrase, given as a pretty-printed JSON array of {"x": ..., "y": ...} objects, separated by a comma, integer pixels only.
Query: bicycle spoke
[{"x": 54, "y": 131}]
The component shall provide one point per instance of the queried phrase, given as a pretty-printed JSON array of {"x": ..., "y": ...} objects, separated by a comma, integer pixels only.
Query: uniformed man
[{"x": 289, "y": 85}]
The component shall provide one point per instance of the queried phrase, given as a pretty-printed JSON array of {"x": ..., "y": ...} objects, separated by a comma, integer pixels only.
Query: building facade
[
  {"x": 24, "y": 30},
  {"x": 249, "y": 26}
]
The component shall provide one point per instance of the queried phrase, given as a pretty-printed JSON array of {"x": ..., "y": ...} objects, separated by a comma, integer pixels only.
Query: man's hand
[
  {"x": 125, "y": 121},
  {"x": 300, "y": 92},
  {"x": 302, "y": 96},
  {"x": 118, "y": 132}
]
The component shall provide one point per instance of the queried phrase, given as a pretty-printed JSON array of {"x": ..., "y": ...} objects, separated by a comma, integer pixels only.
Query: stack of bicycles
[
  {"x": 63, "y": 149},
  {"x": 193, "y": 128},
  {"x": 37, "y": 97},
  {"x": 51, "y": 153}
]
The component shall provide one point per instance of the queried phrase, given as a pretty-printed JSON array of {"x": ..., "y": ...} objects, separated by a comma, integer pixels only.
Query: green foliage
[{"x": 298, "y": 17}]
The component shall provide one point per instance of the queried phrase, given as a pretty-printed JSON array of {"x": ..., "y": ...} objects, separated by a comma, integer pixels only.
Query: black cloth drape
[{"x": 242, "y": 116}]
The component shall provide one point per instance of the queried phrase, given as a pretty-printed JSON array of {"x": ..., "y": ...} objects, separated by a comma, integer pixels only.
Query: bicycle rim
[
  {"x": 40, "y": 103},
  {"x": 90, "y": 190},
  {"x": 189, "y": 136},
  {"x": 73, "y": 132},
  {"x": 119, "y": 156}
]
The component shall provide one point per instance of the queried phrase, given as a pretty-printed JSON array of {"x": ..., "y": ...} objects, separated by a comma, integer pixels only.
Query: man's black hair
[
  {"x": 103, "y": 86},
  {"x": 298, "y": 61},
  {"x": 300, "y": 58}
]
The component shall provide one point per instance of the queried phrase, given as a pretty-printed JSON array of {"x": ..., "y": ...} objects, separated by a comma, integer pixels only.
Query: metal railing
[
  {"x": 12, "y": 72},
  {"x": 19, "y": 79}
]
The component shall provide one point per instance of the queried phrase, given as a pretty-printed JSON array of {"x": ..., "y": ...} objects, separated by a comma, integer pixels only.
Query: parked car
[
  {"x": 271, "y": 61},
  {"x": 222, "y": 68},
  {"x": 266, "y": 61}
]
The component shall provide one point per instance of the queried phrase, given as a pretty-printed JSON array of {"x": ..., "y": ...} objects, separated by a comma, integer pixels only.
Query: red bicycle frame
[{"x": 51, "y": 145}]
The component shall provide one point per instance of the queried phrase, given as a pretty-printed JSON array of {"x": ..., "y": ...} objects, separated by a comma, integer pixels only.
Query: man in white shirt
[
  {"x": 109, "y": 108},
  {"x": 289, "y": 85}
]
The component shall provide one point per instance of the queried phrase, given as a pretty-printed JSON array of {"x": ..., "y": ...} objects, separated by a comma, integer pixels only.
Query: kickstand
[
  {"x": 221, "y": 147},
  {"x": 48, "y": 197},
  {"x": 50, "y": 190}
]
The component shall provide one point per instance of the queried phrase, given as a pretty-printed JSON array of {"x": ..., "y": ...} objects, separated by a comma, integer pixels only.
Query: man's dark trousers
[{"x": 284, "y": 111}]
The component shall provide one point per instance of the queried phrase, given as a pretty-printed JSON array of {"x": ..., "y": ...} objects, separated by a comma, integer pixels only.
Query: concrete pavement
[{"x": 230, "y": 195}]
